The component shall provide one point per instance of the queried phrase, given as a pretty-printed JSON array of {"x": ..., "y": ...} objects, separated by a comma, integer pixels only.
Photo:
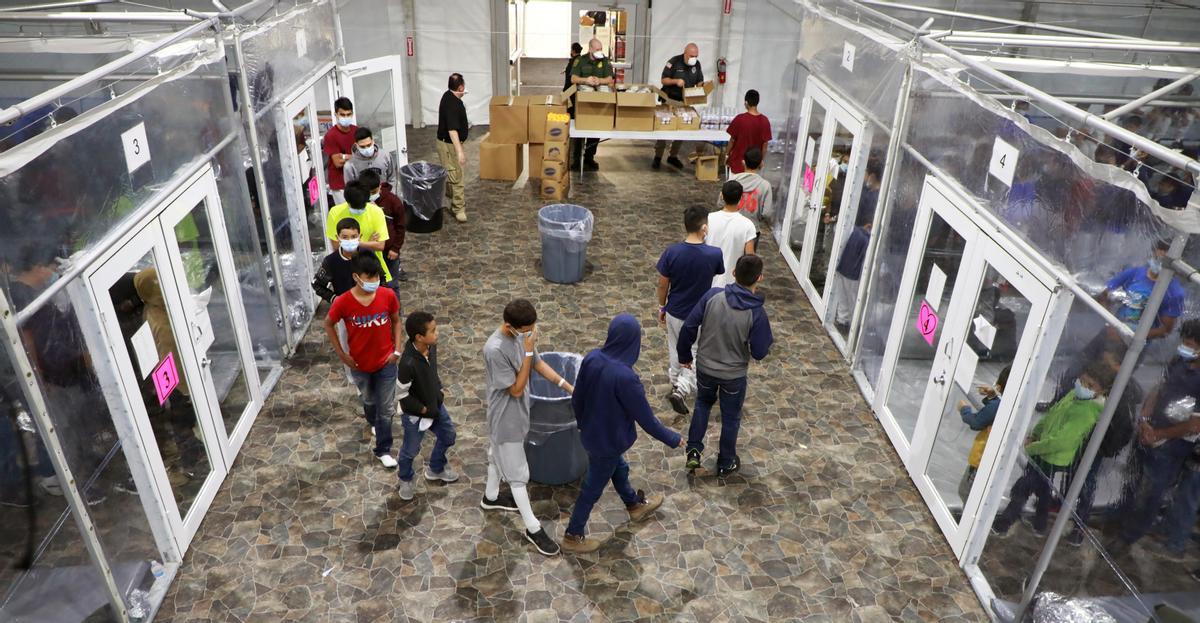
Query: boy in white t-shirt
[{"x": 731, "y": 232}]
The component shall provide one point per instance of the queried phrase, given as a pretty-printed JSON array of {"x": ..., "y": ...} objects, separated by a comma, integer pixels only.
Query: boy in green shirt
[{"x": 1053, "y": 445}]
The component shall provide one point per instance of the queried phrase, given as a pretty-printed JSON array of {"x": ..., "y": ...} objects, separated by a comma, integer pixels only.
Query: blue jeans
[
  {"x": 731, "y": 393},
  {"x": 601, "y": 469},
  {"x": 1180, "y": 519},
  {"x": 1160, "y": 468},
  {"x": 1038, "y": 480},
  {"x": 443, "y": 431},
  {"x": 378, "y": 392}
]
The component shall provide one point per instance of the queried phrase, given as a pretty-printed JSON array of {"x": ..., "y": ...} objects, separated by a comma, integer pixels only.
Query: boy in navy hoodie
[
  {"x": 735, "y": 329},
  {"x": 608, "y": 399}
]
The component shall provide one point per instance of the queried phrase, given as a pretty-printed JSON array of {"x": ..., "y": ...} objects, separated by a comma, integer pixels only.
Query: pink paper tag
[
  {"x": 810, "y": 179},
  {"x": 927, "y": 322},
  {"x": 313, "y": 189},
  {"x": 166, "y": 378}
]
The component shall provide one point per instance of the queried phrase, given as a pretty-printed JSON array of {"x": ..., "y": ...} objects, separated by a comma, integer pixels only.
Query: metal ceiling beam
[
  {"x": 55, "y": 5},
  {"x": 997, "y": 20},
  {"x": 1155, "y": 94},
  {"x": 1035, "y": 41},
  {"x": 110, "y": 16}
]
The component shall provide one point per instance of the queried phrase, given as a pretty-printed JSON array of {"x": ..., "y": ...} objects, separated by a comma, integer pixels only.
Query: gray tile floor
[{"x": 822, "y": 524}]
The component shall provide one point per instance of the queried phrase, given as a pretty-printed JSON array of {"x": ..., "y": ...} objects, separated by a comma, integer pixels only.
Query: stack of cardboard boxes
[
  {"x": 500, "y": 151},
  {"x": 554, "y": 163}
]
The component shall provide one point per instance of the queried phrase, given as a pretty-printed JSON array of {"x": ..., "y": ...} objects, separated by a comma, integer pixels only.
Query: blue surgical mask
[
  {"x": 345, "y": 122},
  {"x": 1155, "y": 265},
  {"x": 842, "y": 167},
  {"x": 350, "y": 246},
  {"x": 366, "y": 152},
  {"x": 369, "y": 286},
  {"x": 1083, "y": 393},
  {"x": 359, "y": 211},
  {"x": 1186, "y": 353},
  {"x": 375, "y": 197}
]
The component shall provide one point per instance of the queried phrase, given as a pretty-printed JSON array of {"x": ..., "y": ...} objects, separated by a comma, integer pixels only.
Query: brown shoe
[
  {"x": 461, "y": 217},
  {"x": 579, "y": 544},
  {"x": 648, "y": 505}
]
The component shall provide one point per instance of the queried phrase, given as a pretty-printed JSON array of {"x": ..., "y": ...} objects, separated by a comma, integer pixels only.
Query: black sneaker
[
  {"x": 543, "y": 542},
  {"x": 657, "y": 164},
  {"x": 678, "y": 403},
  {"x": 590, "y": 165},
  {"x": 1075, "y": 539},
  {"x": 128, "y": 487},
  {"x": 675, "y": 162},
  {"x": 503, "y": 502},
  {"x": 693, "y": 459},
  {"x": 729, "y": 469},
  {"x": 401, "y": 275}
]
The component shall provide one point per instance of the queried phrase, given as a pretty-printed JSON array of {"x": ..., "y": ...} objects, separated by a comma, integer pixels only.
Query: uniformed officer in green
[
  {"x": 592, "y": 72},
  {"x": 680, "y": 72}
]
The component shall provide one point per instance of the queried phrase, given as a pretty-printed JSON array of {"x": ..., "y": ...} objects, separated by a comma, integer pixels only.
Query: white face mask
[
  {"x": 375, "y": 197},
  {"x": 692, "y": 61},
  {"x": 598, "y": 55},
  {"x": 349, "y": 246}
]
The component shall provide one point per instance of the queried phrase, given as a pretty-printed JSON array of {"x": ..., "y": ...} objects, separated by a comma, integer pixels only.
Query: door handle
[
  {"x": 940, "y": 379},
  {"x": 205, "y": 362}
]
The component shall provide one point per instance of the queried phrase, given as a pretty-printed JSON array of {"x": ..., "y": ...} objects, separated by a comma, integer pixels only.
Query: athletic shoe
[
  {"x": 20, "y": 500},
  {"x": 503, "y": 502},
  {"x": 50, "y": 485},
  {"x": 446, "y": 475},
  {"x": 401, "y": 275},
  {"x": 590, "y": 165},
  {"x": 1029, "y": 523},
  {"x": 693, "y": 459},
  {"x": 461, "y": 217},
  {"x": 648, "y": 505},
  {"x": 579, "y": 544},
  {"x": 94, "y": 497},
  {"x": 128, "y": 486},
  {"x": 677, "y": 402},
  {"x": 543, "y": 542},
  {"x": 729, "y": 469},
  {"x": 657, "y": 164},
  {"x": 675, "y": 162},
  {"x": 387, "y": 460},
  {"x": 405, "y": 490},
  {"x": 1195, "y": 573}
]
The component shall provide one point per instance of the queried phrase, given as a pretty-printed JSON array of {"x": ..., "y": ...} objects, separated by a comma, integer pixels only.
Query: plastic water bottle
[{"x": 157, "y": 570}]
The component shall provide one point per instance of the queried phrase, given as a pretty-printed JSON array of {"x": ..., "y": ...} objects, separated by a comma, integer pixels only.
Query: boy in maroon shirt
[
  {"x": 375, "y": 337},
  {"x": 749, "y": 129},
  {"x": 337, "y": 145},
  {"x": 397, "y": 223}
]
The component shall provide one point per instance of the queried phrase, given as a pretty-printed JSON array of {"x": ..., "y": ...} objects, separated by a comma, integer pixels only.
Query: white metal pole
[
  {"x": 1117, "y": 112},
  {"x": 55, "y": 5},
  {"x": 997, "y": 20},
  {"x": 1069, "y": 43}
]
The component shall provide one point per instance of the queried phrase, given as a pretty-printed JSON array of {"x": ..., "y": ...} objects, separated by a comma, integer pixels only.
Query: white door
[
  {"x": 181, "y": 377},
  {"x": 971, "y": 307},
  {"x": 823, "y": 199},
  {"x": 306, "y": 172},
  {"x": 376, "y": 87}
]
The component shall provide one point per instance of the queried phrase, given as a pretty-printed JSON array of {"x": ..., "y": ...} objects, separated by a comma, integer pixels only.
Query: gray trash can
[
  {"x": 566, "y": 230},
  {"x": 422, "y": 186},
  {"x": 552, "y": 446}
]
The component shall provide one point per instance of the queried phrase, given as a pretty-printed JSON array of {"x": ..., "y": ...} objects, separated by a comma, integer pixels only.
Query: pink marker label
[
  {"x": 927, "y": 322},
  {"x": 166, "y": 378},
  {"x": 313, "y": 189},
  {"x": 810, "y": 179}
]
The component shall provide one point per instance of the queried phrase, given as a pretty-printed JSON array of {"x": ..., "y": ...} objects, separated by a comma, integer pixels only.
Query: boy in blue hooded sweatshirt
[
  {"x": 608, "y": 399},
  {"x": 735, "y": 329}
]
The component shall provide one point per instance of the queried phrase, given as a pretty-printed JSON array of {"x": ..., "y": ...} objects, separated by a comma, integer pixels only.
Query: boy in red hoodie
[{"x": 397, "y": 221}]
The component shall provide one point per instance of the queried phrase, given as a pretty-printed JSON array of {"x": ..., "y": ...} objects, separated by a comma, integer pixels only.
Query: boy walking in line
[
  {"x": 336, "y": 274},
  {"x": 848, "y": 272},
  {"x": 372, "y": 224},
  {"x": 396, "y": 216},
  {"x": 424, "y": 407},
  {"x": 685, "y": 272},
  {"x": 609, "y": 400},
  {"x": 756, "y": 191},
  {"x": 733, "y": 327},
  {"x": 749, "y": 130},
  {"x": 372, "y": 318},
  {"x": 730, "y": 232},
  {"x": 510, "y": 356}
]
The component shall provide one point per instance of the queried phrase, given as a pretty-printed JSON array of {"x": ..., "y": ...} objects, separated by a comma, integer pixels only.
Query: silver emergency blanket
[{"x": 1054, "y": 608}]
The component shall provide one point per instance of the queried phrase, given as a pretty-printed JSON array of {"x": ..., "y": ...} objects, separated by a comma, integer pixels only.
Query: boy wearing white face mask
[
  {"x": 374, "y": 336},
  {"x": 336, "y": 274},
  {"x": 372, "y": 223},
  {"x": 368, "y": 155},
  {"x": 1054, "y": 444}
]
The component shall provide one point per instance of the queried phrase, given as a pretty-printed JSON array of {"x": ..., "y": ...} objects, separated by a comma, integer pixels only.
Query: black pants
[{"x": 588, "y": 145}]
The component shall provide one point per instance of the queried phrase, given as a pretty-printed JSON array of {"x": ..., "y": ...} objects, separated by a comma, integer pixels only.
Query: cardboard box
[
  {"x": 697, "y": 95},
  {"x": 558, "y": 127},
  {"x": 535, "y": 160},
  {"x": 687, "y": 118},
  {"x": 635, "y": 112},
  {"x": 555, "y": 190},
  {"x": 509, "y": 119},
  {"x": 551, "y": 170},
  {"x": 664, "y": 119},
  {"x": 595, "y": 110},
  {"x": 556, "y": 151},
  {"x": 539, "y": 108},
  {"x": 706, "y": 169},
  {"x": 499, "y": 161}
]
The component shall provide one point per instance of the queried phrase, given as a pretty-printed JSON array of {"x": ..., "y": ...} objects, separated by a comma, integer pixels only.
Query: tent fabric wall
[
  {"x": 548, "y": 29},
  {"x": 454, "y": 36},
  {"x": 768, "y": 53}
]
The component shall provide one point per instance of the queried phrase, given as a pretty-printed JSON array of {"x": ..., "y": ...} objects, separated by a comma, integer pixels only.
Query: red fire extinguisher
[
  {"x": 721, "y": 70},
  {"x": 620, "y": 48},
  {"x": 620, "y": 76}
]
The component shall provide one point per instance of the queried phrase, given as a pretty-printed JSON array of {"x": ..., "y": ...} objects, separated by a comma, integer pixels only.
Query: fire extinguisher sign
[
  {"x": 728, "y": 7},
  {"x": 410, "y": 46}
]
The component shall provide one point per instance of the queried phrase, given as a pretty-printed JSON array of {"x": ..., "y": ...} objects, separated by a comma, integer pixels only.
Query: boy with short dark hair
[
  {"x": 395, "y": 213},
  {"x": 336, "y": 146},
  {"x": 368, "y": 156},
  {"x": 848, "y": 272},
  {"x": 372, "y": 225},
  {"x": 735, "y": 328},
  {"x": 685, "y": 273},
  {"x": 423, "y": 407},
  {"x": 730, "y": 232},
  {"x": 748, "y": 130},
  {"x": 336, "y": 274},
  {"x": 755, "y": 203},
  {"x": 372, "y": 318}
]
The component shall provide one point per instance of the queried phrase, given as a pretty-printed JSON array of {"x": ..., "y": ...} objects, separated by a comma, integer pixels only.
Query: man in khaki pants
[{"x": 451, "y": 134}]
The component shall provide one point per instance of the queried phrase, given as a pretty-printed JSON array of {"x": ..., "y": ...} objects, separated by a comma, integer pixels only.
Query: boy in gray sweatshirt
[
  {"x": 756, "y": 191},
  {"x": 368, "y": 155}
]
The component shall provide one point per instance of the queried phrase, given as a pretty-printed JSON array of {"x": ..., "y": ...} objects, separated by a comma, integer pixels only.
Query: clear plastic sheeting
[
  {"x": 566, "y": 222},
  {"x": 422, "y": 186},
  {"x": 550, "y": 408},
  {"x": 282, "y": 52}
]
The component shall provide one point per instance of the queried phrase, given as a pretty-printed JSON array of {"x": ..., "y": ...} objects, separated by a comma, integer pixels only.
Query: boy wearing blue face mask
[
  {"x": 374, "y": 336},
  {"x": 372, "y": 223},
  {"x": 1136, "y": 283},
  {"x": 1053, "y": 446},
  {"x": 367, "y": 155}
]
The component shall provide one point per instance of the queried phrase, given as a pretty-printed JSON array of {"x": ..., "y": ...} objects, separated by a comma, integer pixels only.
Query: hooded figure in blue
[{"x": 608, "y": 399}]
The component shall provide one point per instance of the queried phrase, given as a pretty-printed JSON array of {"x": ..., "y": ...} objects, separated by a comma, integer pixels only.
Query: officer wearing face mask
[
  {"x": 592, "y": 72},
  {"x": 680, "y": 72},
  {"x": 368, "y": 155}
]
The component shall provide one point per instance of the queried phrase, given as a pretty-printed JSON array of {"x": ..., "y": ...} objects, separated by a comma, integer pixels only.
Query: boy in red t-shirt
[
  {"x": 374, "y": 333},
  {"x": 749, "y": 129}
]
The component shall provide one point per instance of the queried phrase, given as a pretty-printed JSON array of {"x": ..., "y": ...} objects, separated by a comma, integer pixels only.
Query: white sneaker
[
  {"x": 387, "y": 461},
  {"x": 405, "y": 490},
  {"x": 50, "y": 485},
  {"x": 446, "y": 475}
]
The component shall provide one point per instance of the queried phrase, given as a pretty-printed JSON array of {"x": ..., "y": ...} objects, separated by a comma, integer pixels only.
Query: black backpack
[{"x": 1120, "y": 430}]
